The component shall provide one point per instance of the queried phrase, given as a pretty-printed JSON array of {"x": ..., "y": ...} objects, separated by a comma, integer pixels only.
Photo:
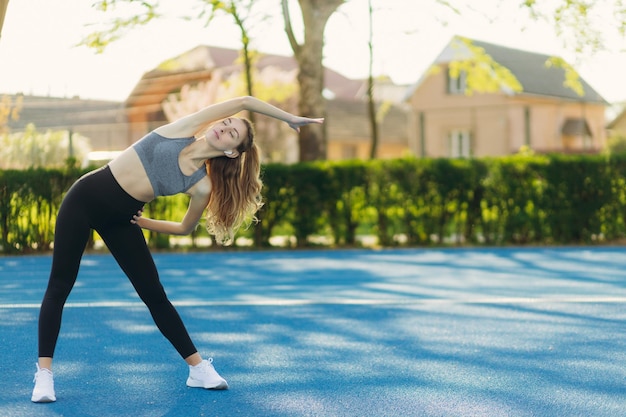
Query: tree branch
[{"x": 295, "y": 46}]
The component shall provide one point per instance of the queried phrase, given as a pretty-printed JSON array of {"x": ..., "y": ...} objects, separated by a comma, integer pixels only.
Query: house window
[
  {"x": 459, "y": 144},
  {"x": 576, "y": 134},
  {"x": 457, "y": 85}
]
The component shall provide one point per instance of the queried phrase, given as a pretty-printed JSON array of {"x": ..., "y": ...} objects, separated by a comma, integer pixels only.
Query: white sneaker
[
  {"x": 204, "y": 375},
  {"x": 44, "y": 386}
]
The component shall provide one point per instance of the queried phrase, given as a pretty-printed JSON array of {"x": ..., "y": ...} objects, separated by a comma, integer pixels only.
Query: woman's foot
[
  {"x": 205, "y": 376},
  {"x": 44, "y": 386}
]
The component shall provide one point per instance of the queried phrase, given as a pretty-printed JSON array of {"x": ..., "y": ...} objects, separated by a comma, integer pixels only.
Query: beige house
[{"x": 546, "y": 116}]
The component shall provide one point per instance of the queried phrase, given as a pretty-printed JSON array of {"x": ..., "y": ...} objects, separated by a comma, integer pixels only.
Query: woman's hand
[
  {"x": 296, "y": 122},
  {"x": 136, "y": 217}
]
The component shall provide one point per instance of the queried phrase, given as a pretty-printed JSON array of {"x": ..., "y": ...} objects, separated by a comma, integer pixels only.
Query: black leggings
[{"x": 96, "y": 201}]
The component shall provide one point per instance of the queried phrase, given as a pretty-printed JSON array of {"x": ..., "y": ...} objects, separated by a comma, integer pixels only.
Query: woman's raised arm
[{"x": 195, "y": 122}]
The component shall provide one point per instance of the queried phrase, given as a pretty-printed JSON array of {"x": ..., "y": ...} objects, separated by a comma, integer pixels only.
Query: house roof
[
  {"x": 199, "y": 63},
  {"x": 529, "y": 68},
  {"x": 65, "y": 113}
]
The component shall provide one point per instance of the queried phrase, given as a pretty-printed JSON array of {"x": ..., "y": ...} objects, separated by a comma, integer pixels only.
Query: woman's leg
[
  {"x": 71, "y": 236},
  {"x": 127, "y": 244}
]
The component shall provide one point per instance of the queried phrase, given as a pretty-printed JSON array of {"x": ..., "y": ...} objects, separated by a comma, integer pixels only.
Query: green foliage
[
  {"x": 616, "y": 145},
  {"x": 484, "y": 74},
  {"x": 572, "y": 79},
  {"x": 29, "y": 201},
  {"x": 346, "y": 200},
  {"x": 577, "y": 190},
  {"x": 513, "y": 200},
  {"x": 311, "y": 183},
  {"x": 279, "y": 196},
  {"x": 584, "y": 26},
  {"x": 130, "y": 14},
  {"x": 520, "y": 199},
  {"x": 34, "y": 149},
  {"x": 9, "y": 110}
]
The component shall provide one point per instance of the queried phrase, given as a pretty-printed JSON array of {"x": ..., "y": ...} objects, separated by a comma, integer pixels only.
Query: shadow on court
[{"x": 455, "y": 332}]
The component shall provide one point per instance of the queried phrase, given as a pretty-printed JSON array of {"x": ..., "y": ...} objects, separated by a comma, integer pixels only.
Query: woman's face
[{"x": 227, "y": 135}]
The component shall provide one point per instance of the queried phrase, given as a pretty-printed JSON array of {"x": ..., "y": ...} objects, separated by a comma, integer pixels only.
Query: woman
[{"x": 208, "y": 155}]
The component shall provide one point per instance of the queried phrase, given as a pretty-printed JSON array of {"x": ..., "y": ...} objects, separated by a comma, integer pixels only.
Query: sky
[{"x": 39, "y": 53}]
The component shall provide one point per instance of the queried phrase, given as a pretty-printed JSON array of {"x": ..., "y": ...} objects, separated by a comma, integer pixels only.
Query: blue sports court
[{"x": 398, "y": 332}]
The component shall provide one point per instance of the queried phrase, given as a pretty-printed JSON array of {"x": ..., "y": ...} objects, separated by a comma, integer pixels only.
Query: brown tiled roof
[
  {"x": 65, "y": 113},
  {"x": 199, "y": 63}
]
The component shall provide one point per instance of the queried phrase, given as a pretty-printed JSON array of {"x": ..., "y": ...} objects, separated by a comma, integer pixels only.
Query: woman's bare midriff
[{"x": 131, "y": 176}]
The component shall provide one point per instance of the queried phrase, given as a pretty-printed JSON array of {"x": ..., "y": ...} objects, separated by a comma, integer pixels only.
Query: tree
[
  {"x": 240, "y": 10},
  {"x": 371, "y": 104},
  {"x": 315, "y": 14},
  {"x": 9, "y": 110},
  {"x": 3, "y": 9},
  {"x": 582, "y": 24},
  {"x": 309, "y": 54}
]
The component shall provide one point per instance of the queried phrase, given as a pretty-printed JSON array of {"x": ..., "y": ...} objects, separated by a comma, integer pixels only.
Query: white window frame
[
  {"x": 457, "y": 85},
  {"x": 460, "y": 143}
]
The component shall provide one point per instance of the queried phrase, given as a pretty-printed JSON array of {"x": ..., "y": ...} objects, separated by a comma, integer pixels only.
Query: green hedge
[{"x": 548, "y": 199}]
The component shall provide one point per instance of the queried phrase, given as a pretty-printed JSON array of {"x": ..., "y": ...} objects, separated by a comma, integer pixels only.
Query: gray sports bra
[{"x": 159, "y": 156}]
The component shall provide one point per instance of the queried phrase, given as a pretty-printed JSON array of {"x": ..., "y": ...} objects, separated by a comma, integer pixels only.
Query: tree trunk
[
  {"x": 315, "y": 15},
  {"x": 371, "y": 105}
]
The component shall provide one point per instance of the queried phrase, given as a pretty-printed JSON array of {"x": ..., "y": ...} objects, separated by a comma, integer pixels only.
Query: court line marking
[{"x": 371, "y": 302}]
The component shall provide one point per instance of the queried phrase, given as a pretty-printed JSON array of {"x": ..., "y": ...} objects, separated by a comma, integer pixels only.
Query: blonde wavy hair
[{"x": 236, "y": 189}]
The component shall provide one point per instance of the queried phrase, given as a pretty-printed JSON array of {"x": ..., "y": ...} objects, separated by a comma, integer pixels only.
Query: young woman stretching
[{"x": 208, "y": 155}]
